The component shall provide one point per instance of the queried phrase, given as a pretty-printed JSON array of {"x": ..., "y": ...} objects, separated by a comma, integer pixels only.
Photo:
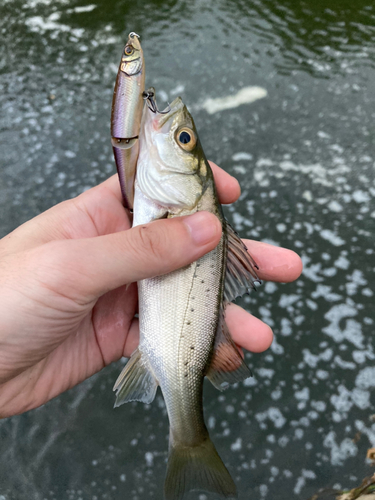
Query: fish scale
[{"x": 184, "y": 333}]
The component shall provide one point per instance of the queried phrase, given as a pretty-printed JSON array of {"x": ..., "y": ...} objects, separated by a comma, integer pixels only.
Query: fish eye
[
  {"x": 129, "y": 50},
  {"x": 186, "y": 139}
]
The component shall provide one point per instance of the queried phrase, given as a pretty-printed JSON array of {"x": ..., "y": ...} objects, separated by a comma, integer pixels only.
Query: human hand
[{"x": 68, "y": 294}]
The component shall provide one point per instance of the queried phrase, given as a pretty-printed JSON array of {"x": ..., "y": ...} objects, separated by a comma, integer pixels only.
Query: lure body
[{"x": 126, "y": 115}]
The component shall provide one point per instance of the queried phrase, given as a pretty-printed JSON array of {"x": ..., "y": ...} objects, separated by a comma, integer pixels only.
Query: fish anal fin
[
  {"x": 241, "y": 273},
  {"x": 135, "y": 382},
  {"x": 227, "y": 365}
]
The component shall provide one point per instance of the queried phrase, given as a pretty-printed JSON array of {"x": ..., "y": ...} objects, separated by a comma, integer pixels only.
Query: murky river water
[{"x": 304, "y": 156}]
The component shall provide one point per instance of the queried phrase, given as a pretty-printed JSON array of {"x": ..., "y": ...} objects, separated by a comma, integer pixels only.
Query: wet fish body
[{"x": 183, "y": 335}]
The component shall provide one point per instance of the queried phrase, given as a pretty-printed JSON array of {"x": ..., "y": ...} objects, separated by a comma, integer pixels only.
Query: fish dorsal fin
[
  {"x": 135, "y": 382},
  {"x": 227, "y": 365},
  {"x": 241, "y": 268}
]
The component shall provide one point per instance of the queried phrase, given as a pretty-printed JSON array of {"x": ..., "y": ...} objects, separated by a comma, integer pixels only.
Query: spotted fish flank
[{"x": 183, "y": 335}]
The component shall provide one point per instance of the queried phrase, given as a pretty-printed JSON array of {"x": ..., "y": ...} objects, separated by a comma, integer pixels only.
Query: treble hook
[{"x": 151, "y": 104}]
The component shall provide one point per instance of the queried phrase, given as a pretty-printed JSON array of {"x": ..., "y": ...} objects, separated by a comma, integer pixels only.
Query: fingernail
[{"x": 203, "y": 227}]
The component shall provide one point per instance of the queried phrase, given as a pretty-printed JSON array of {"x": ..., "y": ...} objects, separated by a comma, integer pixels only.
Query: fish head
[
  {"x": 132, "y": 57},
  {"x": 169, "y": 163},
  {"x": 173, "y": 136}
]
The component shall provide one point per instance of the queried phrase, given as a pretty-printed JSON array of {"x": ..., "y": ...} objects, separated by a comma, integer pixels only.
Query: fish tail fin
[{"x": 197, "y": 467}]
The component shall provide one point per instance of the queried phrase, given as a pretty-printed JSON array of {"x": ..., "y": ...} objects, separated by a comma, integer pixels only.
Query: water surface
[{"x": 304, "y": 156}]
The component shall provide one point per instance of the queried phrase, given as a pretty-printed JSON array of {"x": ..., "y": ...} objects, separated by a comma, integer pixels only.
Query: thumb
[{"x": 93, "y": 266}]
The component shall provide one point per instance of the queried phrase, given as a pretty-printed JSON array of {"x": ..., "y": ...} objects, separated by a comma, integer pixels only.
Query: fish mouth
[{"x": 163, "y": 120}]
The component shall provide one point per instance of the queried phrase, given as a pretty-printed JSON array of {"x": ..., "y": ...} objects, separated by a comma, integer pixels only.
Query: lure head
[{"x": 132, "y": 57}]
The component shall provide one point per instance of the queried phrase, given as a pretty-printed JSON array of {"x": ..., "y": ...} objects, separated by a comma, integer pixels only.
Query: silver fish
[
  {"x": 126, "y": 115},
  {"x": 183, "y": 335}
]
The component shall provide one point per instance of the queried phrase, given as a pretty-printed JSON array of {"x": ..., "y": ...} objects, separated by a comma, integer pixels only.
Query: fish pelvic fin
[
  {"x": 135, "y": 382},
  {"x": 227, "y": 365},
  {"x": 197, "y": 468},
  {"x": 241, "y": 274}
]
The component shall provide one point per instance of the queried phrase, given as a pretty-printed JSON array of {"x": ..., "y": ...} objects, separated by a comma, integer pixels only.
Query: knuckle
[{"x": 152, "y": 241}]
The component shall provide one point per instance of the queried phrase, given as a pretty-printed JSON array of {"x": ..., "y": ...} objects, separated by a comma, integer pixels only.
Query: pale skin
[{"x": 68, "y": 295}]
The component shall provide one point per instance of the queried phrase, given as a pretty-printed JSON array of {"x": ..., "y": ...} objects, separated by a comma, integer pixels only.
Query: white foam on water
[
  {"x": 312, "y": 271},
  {"x": 333, "y": 238},
  {"x": 323, "y": 135},
  {"x": 266, "y": 372},
  {"x": 39, "y": 24},
  {"x": 312, "y": 359},
  {"x": 242, "y": 156},
  {"x": 34, "y": 3},
  {"x": 352, "y": 332},
  {"x": 319, "y": 174},
  {"x": 307, "y": 195},
  {"x": 342, "y": 262},
  {"x": 276, "y": 394},
  {"x": 83, "y": 8},
  {"x": 270, "y": 287},
  {"x": 319, "y": 405},
  {"x": 246, "y": 95},
  {"x": 369, "y": 432},
  {"x": 361, "y": 399},
  {"x": 342, "y": 401},
  {"x": 274, "y": 414},
  {"x": 366, "y": 378},
  {"x": 149, "y": 457},
  {"x": 281, "y": 227},
  {"x": 303, "y": 394},
  {"x": 322, "y": 374},
  {"x": 301, "y": 481},
  {"x": 335, "y": 206},
  {"x": 286, "y": 327},
  {"x": 178, "y": 89},
  {"x": 339, "y": 452},
  {"x": 346, "y": 365},
  {"x": 237, "y": 445},
  {"x": 288, "y": 300},
  {"x": 239, "y": 169},
  {"x": 360, "y": 196}
]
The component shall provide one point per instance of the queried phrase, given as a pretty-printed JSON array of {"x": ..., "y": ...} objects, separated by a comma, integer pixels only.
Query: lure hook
[{"x": 151, "y": 104}]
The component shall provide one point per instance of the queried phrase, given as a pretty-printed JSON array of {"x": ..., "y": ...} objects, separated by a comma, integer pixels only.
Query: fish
[
  {"x": 183, "y": 334},
  {"x": 127, "y": 105}
]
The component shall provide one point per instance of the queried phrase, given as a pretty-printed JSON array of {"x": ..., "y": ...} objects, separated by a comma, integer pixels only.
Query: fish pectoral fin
[
  {"x": 135, "y": 382},
  {"x": 241, "y": 268},
  {"x": 196, "y": 468},
  {"x": 227, "y": 365}
]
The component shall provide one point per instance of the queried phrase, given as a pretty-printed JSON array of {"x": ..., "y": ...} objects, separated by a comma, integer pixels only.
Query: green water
[{"x": 304, "y": 156}]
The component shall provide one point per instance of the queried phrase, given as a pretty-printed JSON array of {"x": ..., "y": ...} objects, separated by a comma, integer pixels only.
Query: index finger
[
  {"x": 275, "y": 263},
  {"x": 227, "y": 186}
]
